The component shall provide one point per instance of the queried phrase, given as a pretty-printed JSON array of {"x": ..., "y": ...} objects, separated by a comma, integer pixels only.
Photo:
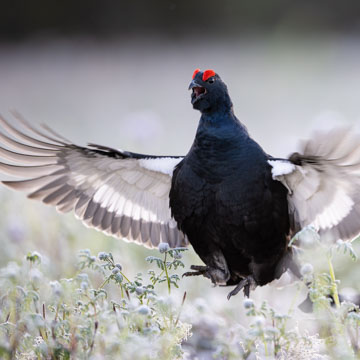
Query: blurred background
[{"x": 116, "y": 73}]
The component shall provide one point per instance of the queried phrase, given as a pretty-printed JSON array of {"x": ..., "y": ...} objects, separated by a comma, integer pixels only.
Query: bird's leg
[
  {"x": 216, "y": 269},
  {"x": 199, "y": 270},
  {"x": 246, "y": 284},
  {"x": 205, "y": 271}
]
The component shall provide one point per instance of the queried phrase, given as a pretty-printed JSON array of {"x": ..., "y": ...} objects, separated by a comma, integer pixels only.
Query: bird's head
[{"x": 209, "y": 92}]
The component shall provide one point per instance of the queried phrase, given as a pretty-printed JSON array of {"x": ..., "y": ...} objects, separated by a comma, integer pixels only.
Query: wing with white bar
[
  {"x": 323, "y": 180},
  {"x": 120, "y": 193}
]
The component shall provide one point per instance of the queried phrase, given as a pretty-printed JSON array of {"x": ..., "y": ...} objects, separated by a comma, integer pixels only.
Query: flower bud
[
  {"x": 306, "y": 269},
  {"x": 118, "y": 278},
  {"x": 139, "y": 290},
  {"x": 102, "y": 255},
  {"x": 144, "y": 310},
  {"x": 164, "y": 247},
  {"x": 248, "y": 304},
  {"x": 259, "y": 321},
  {"x": 56, "y": 288}
]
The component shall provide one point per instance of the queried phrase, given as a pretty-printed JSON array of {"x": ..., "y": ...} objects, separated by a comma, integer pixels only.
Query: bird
[{"x": 236, "y": 205}]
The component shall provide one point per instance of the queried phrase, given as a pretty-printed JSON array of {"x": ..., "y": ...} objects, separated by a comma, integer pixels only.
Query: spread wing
[
  {"x": 120, "y": 193},
  {"x": 324, "y": 183}
]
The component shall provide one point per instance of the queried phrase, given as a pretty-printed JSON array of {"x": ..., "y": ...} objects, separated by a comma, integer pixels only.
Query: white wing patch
[
  {"x": 281, "y": 167},
  {"x": 163, "y": 165}
]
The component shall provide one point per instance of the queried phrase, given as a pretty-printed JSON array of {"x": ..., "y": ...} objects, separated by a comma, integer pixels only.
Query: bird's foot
[
  {"x": 199, "y": 270},
  {"x": 217, "y": 276},
  {"x": 246, "y": 284}
]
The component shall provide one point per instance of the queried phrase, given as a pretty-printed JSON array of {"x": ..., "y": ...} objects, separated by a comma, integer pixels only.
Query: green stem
[
  {"x": 333, "y": 283},
  {"x": 167, "y": 275},
  {"x": 104, "y": 283},
  {"x": 113, "y": 264},
  {"x": 125, "y": 277}
]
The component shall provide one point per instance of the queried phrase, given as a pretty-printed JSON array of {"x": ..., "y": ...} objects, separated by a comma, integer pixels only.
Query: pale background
[{"x": 120, "y": 78}]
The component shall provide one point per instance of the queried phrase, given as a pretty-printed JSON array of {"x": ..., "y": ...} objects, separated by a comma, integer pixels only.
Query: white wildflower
[
  {"x": 164, "y": 247},
  {"x": 306, "y": 269}
]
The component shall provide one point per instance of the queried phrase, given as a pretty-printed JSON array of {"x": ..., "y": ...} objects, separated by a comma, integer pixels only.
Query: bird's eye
[{"x": 211, "y": 80}]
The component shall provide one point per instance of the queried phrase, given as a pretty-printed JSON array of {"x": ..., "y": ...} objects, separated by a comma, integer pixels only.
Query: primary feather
[{"x": 122, "y": 194}]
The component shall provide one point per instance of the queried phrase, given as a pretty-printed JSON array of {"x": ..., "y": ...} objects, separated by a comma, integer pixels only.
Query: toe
[
  {"x": 247, "y": 290},
  {"x": 238, "y": 287},
  {"x": 198, "y": 267}
]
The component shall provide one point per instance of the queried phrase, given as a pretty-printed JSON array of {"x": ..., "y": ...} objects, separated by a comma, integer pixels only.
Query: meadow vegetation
[{"x": 118, "y": 301}]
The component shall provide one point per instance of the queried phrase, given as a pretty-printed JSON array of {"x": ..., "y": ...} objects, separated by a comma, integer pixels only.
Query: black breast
[{"x": 223, "y": 197}]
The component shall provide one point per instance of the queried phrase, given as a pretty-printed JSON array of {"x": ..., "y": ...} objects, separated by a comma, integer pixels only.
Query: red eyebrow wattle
[
  {"x": 208, "y": 74},
  {"x": 195, "y": 72}
]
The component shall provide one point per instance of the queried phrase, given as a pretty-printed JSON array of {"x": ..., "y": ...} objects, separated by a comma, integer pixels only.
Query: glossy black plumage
[{"x": 224, "y": 199}]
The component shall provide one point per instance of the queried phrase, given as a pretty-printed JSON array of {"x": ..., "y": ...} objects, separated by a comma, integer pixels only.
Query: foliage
[
  {"x": 72, "y": 318},
  {"x": 102, "y": 312}
]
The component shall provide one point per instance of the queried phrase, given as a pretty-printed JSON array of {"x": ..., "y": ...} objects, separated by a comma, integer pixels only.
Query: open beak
[
  {"x": 198, "y": 91},
  {"x": 193, "y": 84}
]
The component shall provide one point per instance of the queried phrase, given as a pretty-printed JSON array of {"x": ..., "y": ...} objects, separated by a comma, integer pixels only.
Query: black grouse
[{"x": 236, "y": 205}]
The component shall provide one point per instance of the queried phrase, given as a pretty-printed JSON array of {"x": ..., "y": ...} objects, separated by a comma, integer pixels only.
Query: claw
[
  {"x": 243, "y": 284},
  {"x": 238, "y": 287}
]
